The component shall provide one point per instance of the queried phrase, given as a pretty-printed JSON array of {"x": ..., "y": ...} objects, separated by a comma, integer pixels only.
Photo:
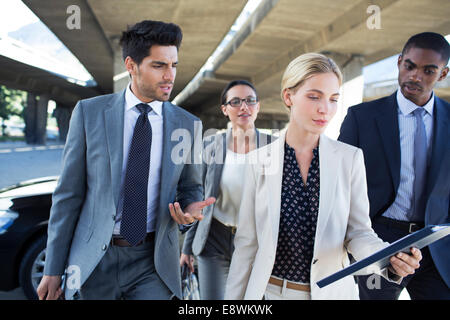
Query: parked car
[{"x": 24, "y": 214}]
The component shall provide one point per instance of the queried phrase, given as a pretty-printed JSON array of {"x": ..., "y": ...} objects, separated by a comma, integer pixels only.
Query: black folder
[{"x": 418, "y": 239}]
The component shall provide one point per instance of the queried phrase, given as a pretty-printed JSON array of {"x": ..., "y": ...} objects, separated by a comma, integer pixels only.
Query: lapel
[
  {"x": 387, "y": 122},
  {"x": 439, "y": 191},
  {"x": 220, "y": 152},
  {"x": 114, "y": 122},
  {"x": 272, "y": 169},
  {"x": 441, "y": 135},
  {"x": 329, "y": 164},
  {"x": 170, "y": 123}
]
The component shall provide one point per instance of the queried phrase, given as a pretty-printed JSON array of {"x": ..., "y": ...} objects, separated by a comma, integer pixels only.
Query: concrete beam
[
  {"x": 396, "y": 49},
  {"x": 20, "y": 76},
  {"x": 340, "y": 26},
  {"x": 88, "y": 43},
  {"x": 256, "y": 17}
]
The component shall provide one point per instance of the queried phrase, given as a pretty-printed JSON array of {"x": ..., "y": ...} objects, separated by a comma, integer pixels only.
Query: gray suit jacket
[
  {"x": 215, "y": 149},
  {"x": 85, "y": 201}
]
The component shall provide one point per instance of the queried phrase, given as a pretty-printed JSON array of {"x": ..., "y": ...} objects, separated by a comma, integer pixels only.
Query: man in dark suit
[
  {"x": 120, "y": 199},
  {"x": 404, "y": 138}
]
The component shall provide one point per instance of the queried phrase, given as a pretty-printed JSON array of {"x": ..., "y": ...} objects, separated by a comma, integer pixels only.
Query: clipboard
[{"x": 380, "y": 259}]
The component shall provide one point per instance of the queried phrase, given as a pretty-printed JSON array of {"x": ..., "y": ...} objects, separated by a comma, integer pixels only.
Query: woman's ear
[
  {"x": 224, "y": 110},
  {"x": 287, "y": 97}
]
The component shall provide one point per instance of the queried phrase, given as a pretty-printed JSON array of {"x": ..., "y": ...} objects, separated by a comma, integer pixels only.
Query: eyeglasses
[{"x": 237, "y": 102}]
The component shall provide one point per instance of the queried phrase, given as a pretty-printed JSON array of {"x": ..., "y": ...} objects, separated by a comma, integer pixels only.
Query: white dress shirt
[
  {"x": 156, "y": 121},
  {"x": 231, "y": 189},
  {"x": 399, "y": 210}
]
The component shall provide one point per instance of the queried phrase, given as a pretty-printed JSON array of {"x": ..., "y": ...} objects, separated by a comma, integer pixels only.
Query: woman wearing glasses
[
  {"x": 225, "y": 155},
  {"x": 305, "y": 205}
]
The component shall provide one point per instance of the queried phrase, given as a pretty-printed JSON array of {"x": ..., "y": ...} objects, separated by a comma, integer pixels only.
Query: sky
[{"x": 10, "y": 10}]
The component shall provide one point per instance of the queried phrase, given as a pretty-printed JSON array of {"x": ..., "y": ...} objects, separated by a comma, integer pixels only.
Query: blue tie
[
  {"x": 133, "y": 226},
  {"x": 420, "y": 168}
]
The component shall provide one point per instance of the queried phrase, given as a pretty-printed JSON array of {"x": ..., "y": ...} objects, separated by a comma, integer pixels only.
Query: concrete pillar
[
  {"x": 351, "y": 91},
  {"x": 121, "y": 76},
  {"x": 36, "y": 119},
  {"x": 62, "y": 115},
  {"x": 41, "y": 119},
  {"x": 29, "y": 117}
]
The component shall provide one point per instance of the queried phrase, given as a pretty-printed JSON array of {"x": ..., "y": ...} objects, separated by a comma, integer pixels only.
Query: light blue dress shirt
[{"x": 400, "y": 208}]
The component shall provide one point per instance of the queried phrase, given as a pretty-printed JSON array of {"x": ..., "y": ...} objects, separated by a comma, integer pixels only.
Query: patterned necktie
[
  {"x": 133, "y": 226},
  {"x": 420, "y": 167}
]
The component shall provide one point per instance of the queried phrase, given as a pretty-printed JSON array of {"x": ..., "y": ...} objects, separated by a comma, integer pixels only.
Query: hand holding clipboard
[{"x": 381, "y": 259}]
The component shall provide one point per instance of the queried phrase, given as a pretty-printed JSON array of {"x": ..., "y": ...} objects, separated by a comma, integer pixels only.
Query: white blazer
[{"x": 343, "y": 223}]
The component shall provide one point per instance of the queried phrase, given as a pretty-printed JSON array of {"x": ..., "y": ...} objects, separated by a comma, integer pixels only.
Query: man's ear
[
  {"x": 444, "y": 73},
  {"x": 130, "y": 65},
  {"x": 399, "y": 60}
]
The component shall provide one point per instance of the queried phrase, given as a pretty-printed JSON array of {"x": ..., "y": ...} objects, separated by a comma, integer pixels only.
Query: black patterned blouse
[{"x": 298, "y": 219}]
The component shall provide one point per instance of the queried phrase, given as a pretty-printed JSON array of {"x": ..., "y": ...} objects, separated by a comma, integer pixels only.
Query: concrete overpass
[
  {"x": 338, "y": 28},
  {"x": 21, "y": 76},
  {"x": 95, "y": 44},
  {"x": 277, "y": 32},
  {"x": 41, "y": 86}
]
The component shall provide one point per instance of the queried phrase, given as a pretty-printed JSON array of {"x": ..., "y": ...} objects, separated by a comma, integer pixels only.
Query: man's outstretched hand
[{"x": 191, "y": 213}]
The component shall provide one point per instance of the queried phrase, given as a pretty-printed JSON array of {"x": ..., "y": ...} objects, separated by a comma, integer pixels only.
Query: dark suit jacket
[{"x": 373, "y": 127}]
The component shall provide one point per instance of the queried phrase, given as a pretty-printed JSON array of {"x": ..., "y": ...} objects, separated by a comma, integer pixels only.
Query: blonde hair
[{"x": 304, "y": 67}]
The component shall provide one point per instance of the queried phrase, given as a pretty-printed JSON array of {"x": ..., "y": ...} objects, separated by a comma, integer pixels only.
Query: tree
[{"x": 10, "y": 99}]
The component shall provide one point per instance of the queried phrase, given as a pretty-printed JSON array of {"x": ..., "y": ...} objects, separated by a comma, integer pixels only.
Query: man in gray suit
[{"x": 122, "y": 196}]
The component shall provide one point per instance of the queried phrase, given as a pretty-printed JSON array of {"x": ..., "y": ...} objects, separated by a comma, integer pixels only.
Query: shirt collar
[
  {"x": 407, "y": 106},
  {"x": 131, "y": 101}
]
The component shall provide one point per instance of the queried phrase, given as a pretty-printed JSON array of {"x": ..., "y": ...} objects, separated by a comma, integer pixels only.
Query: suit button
[
  {"x": 114, "y": 217},
  {"x": 104, "y": 247}
]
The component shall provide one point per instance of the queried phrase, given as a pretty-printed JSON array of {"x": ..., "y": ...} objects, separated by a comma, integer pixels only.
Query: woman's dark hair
[
  {"x": 231, "y": 84},
  {"x": 429, "y": 40},
  {"x": 139, "y": 38}
]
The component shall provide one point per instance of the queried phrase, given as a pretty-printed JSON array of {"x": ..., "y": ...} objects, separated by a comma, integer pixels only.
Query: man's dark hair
[
  {"x": 429, "y": 40},
  {"x": 231, "y": 84},
  {"x": 139, "y": 38}
]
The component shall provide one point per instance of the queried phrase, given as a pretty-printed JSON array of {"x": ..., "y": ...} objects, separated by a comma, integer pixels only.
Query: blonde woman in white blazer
[{"x": 291, "y": 229}]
